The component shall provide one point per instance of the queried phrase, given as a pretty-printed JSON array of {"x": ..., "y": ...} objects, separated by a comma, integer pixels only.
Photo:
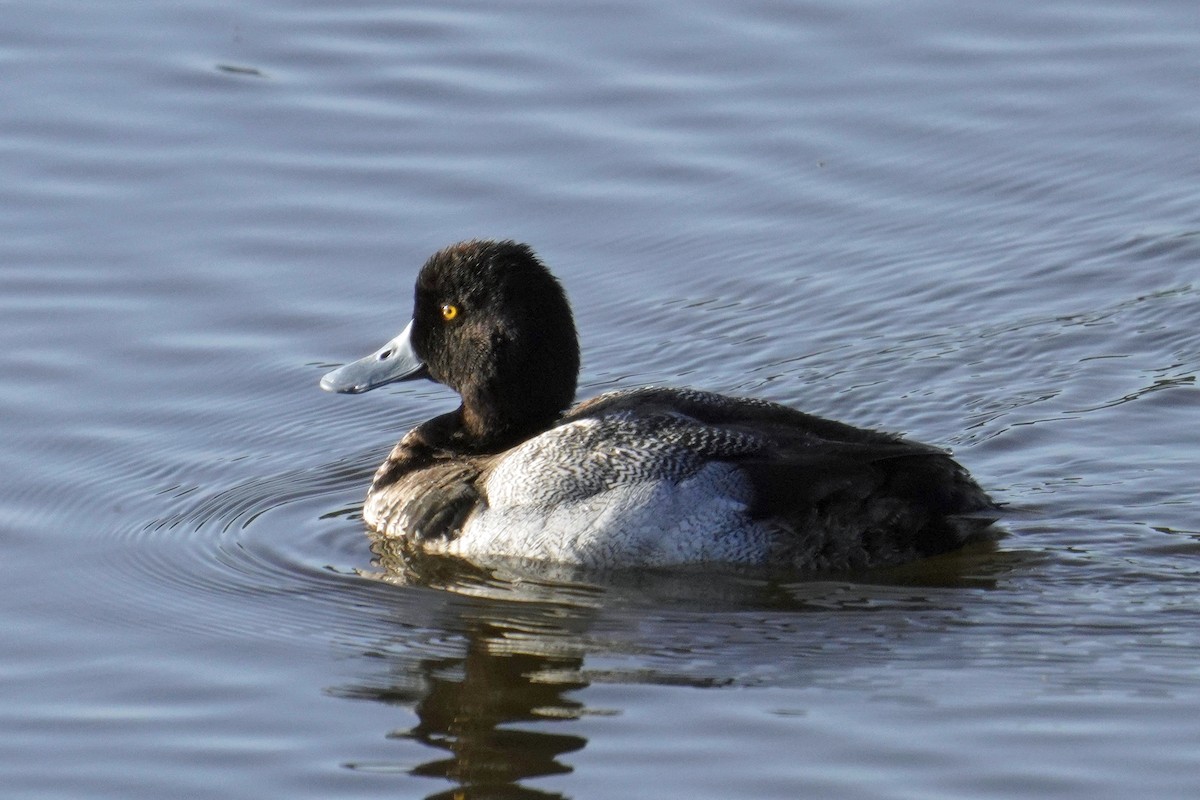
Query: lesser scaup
[{"x": 638, "y": 477}]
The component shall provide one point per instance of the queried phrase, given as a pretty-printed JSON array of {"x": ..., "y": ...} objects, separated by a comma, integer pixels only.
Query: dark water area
[{"x": 976, "y": 224}]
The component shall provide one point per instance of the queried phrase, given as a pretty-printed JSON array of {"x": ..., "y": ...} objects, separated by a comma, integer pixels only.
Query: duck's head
[{"x": 492, "y": 323}]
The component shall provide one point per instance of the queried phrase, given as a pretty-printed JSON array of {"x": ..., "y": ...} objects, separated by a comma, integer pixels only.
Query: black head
[{"x": 492, "y": 323}]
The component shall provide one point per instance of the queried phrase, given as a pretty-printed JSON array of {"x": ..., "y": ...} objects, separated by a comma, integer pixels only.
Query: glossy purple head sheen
[{"x": 492, "y": 323}]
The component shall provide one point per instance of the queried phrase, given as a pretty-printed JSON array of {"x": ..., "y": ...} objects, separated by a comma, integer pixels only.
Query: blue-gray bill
[{"x": 395, "y": 361}]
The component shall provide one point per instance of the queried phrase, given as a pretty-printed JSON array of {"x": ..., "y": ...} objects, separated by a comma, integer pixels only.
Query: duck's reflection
[
  {"x": 488, "y": 707},
  {"x": 490, "y": 662},
  {"x": 473, "y": 709}
]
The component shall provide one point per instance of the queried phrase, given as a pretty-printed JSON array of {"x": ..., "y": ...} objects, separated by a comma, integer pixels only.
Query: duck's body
[{"x": 642, "y": 477}]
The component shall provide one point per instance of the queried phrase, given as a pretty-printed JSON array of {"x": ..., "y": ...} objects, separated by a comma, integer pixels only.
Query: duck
[{"x": 636, "y": 477}]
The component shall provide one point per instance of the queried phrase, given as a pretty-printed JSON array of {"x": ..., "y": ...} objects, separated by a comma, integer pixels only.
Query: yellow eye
[{"x": 449, "y": 312}]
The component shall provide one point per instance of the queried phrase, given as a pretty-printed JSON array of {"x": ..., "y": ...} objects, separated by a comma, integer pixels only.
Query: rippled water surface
[{"x": 977, "y": 224}]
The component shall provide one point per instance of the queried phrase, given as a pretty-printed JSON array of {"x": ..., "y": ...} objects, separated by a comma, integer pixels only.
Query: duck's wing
[
  {"x": 722, "y": 410},
  {"x": 876, "y": 494},
  {"x": 873, "y": 503}
]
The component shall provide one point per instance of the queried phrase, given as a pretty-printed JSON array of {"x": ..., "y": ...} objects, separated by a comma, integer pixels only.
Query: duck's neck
[{"x": 487, "y": 428}]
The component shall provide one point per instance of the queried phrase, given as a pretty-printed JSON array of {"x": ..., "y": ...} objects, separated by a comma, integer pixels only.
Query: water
[{"x": 976, "y": 224}]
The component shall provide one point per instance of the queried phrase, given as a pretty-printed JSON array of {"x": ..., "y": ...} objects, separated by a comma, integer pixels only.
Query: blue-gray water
[{"x": 975, "y": 223}]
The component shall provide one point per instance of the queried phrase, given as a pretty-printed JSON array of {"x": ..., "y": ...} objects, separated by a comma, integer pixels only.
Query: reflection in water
[
  {"x": 468, "y": 706},
  {"x": 464, "y": 714},
  {"x": 520, "y": 641},
  {"x": 485, "y": 708}
]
